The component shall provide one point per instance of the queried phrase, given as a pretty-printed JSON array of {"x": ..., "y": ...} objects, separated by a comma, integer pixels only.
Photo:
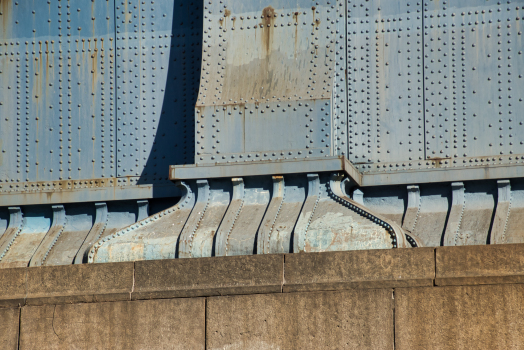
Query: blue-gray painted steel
[
  {"x": 98, "y": 99},
  {"x": 254, "y": 215},
  {"x": 96, "y": 90},
  {"x": 107, "y": 89}
]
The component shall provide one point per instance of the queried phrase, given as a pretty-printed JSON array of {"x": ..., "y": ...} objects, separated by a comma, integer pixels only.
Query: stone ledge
[
  {"x": 208, "y": 276},
  {"x": 13, "y": 286},
  {"x": 259, "y": 274},
  {"x": 79, "y": 283},
  {"x": 359, "y": 269},
  {"x": 483, "y": 264}
]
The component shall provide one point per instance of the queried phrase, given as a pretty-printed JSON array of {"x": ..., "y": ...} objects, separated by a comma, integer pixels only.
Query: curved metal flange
[
  {"x": 275, "y": 234},
  {"x": 57, "y": 227},
  {"x": 12, "y": 231},
  {"x": 455, "y": 214},
  {"x": 198, "y": 236},
  {"x": 502, "y": 213},
  {"x": 22, "y": 245},
  {"x": 94, "y": 234},
  {"x": 230, "y": 218},
  {"x": 331, "y": 221},
  {"x": 238, "y": 232},
  {"x": 152, "y": 238}
]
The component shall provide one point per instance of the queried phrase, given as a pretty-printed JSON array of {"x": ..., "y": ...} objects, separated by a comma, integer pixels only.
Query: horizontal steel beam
[
  {"x": 443, "y": 175},
  {"x": 273, "y": 167},
  {"x": 95, "y": 194}
]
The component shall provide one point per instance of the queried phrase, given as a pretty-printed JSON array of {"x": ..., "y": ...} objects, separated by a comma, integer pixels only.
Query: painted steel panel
[
  {"x": 267, "y": 81},
  {"x": 63, "y": 96},
  {"x": 473, "y": 81},
  {"x": 385, "y": 79},
  {"x": 158, "y": 45}
]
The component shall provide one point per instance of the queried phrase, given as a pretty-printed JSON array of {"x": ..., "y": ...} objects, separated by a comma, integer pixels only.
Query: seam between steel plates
[
  {"x": 11, "y": 243},
  {"x": 459, "y": 222},
  {"x": 139, "y": 224},
  {"x": 423, "y": 4},
  {"x": 54, "y": 241},
  {"x": 233, "y": 223},
  {"x": 365, "y": 213},
  {"x": 416, "y": 216},
  {"x": 275, "y": 219},
  {"x": 506, "y": 222},
  {"x": 115, "y": 94},
  {"x": 311, "y": 217},
  {"x": 197, "y": 226}
]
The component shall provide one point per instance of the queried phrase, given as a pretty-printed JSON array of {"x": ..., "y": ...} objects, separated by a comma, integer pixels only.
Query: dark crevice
[
  {"x": 19, "y": 327},
  {"x": 394, "y": 331},
  {"x": 53, "y": 324}
]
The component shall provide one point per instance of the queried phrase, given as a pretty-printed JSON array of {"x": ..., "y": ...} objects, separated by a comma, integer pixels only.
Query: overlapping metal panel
[{"x": 267, "y": 80}]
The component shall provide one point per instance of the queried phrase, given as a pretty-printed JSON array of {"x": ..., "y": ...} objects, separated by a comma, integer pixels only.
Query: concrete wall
[{"x": 442, "y": 298}]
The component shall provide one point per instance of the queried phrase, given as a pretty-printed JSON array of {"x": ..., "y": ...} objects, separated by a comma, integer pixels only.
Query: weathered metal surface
[
  {"x": 63, "y": 250},
  {"x": 94, "y": 233},
  {"x": 500, "y": 219},
  {"x": 477, "y": 170},
  {"x": 152, "y": 238},
  {"x": 255, "y": 215},
  {"x": 268, "y": 67},
  {"x": 98, "y": 98},
  {"x": 66, "y": 82},
  {"x": 50, "y": 238},
  {"x": 480, "y": 202},
  {"x": 471, "y": 79},
  {"x": 331, "y": 221},
  {"x": 389, "y": 201},
  {"x": 20, "y": 245},
  {"x": 513, "y": 230},
  {"x": 237, "y": 233},
  {"x": 12, "y": 231},
  {"x": 198, "y": 236},
  {"x": 275, "y": 234},
  {"x": 48, "y": 192},
  {"x": 385, "y": 79},
  {"x": 435, "y": 202}
]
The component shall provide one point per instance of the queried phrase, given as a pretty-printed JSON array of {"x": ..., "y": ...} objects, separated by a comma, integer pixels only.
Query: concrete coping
[{"x": 262, "y": 274}]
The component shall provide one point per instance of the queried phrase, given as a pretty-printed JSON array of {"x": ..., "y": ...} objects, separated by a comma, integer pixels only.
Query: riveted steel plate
[
  {"x": 158, "y": 45},
  {"x": 251, "y": 132},
  {"x": 264, "y": 62},
  {"x": 60, "y": 84},
  {"x": 474, "y": 82},
  {"x": 59, "y": 71},
  {"x": 384, "y": 43}
]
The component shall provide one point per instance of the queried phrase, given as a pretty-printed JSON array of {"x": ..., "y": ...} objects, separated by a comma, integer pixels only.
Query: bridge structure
[{"x": 134, "y": 130}]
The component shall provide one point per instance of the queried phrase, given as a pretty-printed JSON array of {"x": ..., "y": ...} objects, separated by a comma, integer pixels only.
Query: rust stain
[
  {"x": 5, "y": 8},
  {"x": 94, "y": 65},
  {"x": 268, "y": 20},
  {"x": 93, "y": 16},
  {"x": 227, "y": 13},
  {"x": 295, "y": 17},
  {"x": 438, "y": 161},
  {"x": 47, "y": 62}
]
